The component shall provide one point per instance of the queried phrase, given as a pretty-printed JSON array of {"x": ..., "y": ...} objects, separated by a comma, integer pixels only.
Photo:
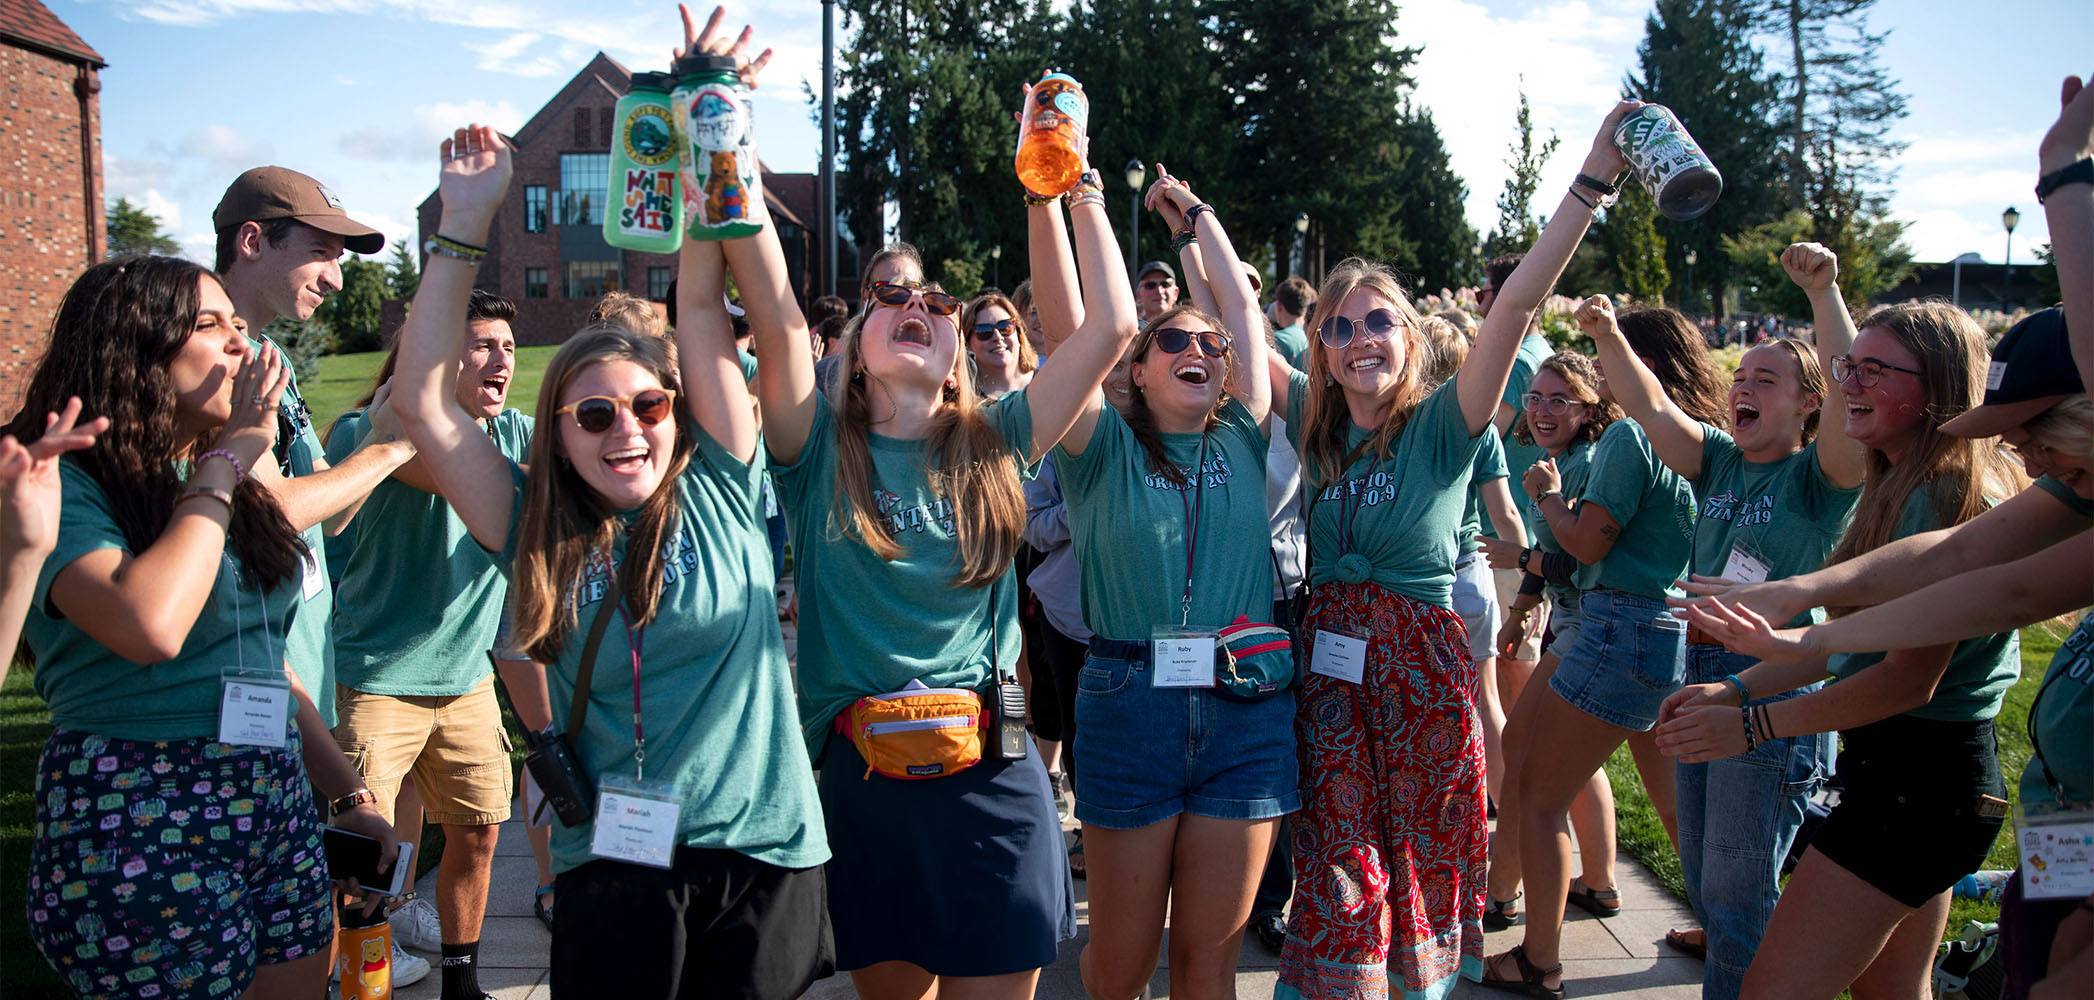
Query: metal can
[{"x": 1668, "y": 162}]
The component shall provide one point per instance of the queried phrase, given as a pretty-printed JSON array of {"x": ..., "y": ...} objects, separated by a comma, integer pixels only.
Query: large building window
[
  {"x": 658, "y": 279},
  {"x": 534, "y": 283},
  {"x": 588, "y": 279},
  {"x": 534, "y": 208},
  {"x": 582, "y": 180}
]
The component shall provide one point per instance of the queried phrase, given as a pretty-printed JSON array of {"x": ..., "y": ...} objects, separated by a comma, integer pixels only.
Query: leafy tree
[
  {"x": 1841, "y": 103},
  {"x": 1639, "y": 252},
  {"x": 1518, "y": 227},
  {"x": 132, "y": 229},
  {"x": 1873, "y": 260},
  {"x": 1697, "y": 58},
  {"x": 1439, "y": 244},
  {"x": 353, "y": 314},
  {"x": 402, "y": 276},
  {"x": 964, "y": 278}
]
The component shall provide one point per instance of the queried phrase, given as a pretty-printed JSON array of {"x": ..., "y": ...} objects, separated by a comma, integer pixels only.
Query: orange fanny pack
[{"x": 916, "y": 733}]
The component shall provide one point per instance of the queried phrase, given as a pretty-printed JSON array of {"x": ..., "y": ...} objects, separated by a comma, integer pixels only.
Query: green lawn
[{"x": 344, "y": 378}]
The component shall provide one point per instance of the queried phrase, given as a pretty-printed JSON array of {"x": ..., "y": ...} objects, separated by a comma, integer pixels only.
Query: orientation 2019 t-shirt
[
  {"x": 1980, "y": 670},
  {"x": 1783, "y": 513},
  {"x": 1394, "y": 522},
  {"x": 1534, "y": 349},
  {"x": 1132, "y": 526},
  {"x": 716, "y": 694},
  {"x": 869, "y": 626},
  {"x": 1653, "y": 505},
  {"x": 1490, "y": 465},
  {"x": 93, "y": 690},
  {"x": 310, "y": 644},
  {"x": 417, "y": 601}
]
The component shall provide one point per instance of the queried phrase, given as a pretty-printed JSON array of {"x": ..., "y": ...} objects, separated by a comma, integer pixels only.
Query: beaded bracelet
[
  {"x": 1183, "y": 238},
  {"x": 1743, "y": 695},
  {"x": 446, "y": 247},
  {"x": 1751, "y": 739},
  {"x": 239, "y": 467}
]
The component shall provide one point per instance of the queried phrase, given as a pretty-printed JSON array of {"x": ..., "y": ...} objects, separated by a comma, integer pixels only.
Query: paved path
[{"x": 1619, "y": 957}]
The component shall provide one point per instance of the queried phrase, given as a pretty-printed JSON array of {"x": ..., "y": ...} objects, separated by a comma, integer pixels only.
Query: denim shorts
[
  {"x": 1476, "y": 601},
  {"x": 1151, "y": 753},
  {"x": 1564, "y": 621},
  {"x": 1630, "y": 654}
]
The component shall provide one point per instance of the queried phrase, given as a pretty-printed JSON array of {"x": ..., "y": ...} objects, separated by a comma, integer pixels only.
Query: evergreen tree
[
  {"x": 1873, "y": 260},
  {"x": 1697, "y": 59},
  {"x": 132, "y": 229},
  {"x": 1639, "y": 252},
  {"x": 354, "y": 313},
  {"x": 1440, "y": 244},
  {"x": 1518, "y": 227},
  {"x": 402, "y": 276},
  {"x": 1841, "y": 104}
]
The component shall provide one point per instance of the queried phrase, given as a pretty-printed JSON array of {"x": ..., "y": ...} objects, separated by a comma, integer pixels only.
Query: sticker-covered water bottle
[
  {"x": 1668, "y": 162},
  {"x": 644, "y": 210},
  {"x": 1055, "y": 117},
  {"x": 716, "y": 157}
]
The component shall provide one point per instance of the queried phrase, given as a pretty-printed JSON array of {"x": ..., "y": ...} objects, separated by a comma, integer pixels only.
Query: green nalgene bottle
[
  {"x": 644, "y": 211},
  {"x": 717, "y": 152}
]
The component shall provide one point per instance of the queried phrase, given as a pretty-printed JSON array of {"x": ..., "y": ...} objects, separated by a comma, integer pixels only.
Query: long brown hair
[
  {"x": 1576, "y": 371},
  {"x": 566, "y": 525},
  {"x": 970, "y": 464},
  {"x": 1676, "y": 353},
  {"x": 1325, "y": 416},
  {"x": 1142, "y": 420},
  {"x": 118, "y": 328},
  {"x": 1963, "y": 473},
  {"x": 1810, "y": 377}
]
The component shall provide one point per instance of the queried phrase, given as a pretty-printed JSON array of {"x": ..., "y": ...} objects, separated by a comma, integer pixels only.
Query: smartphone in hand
[{"x": 353, "y": 855}]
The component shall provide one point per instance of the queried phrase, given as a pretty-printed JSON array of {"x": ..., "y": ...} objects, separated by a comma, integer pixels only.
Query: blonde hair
[
  {"x": 1576, "y": 370},
  {"x": 623, "y": 308},
  {"x": 1965, "y": 474},
  {"x": 1325, "y": 416},
  {"x": 970, "y": 464},
  {"x": 565, "y": 525},
  {"x": 2067, "y": 427},
  {"x": 1449, "y": 349}
]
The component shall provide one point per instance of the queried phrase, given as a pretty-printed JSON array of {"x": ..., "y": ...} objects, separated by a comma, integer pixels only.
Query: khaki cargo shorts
[{"x": 453, "y": 746}]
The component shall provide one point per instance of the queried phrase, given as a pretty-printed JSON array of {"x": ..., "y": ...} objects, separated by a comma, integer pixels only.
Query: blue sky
[{"x": 358, "y": 92}]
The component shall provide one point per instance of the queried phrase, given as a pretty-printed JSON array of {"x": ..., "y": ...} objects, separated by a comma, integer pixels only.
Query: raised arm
[
  {"x": 1280, "y": 375},
  {"x": 1064, "y": 397},
  {"x": 1482, "y": 377},
  {"x": 1816, "y": 270},
  {"x": 472, "y": 473},
  {"x": 1190, "y": 266},
  {"x": 30, "y": 499},
  {"x": 713, "y": 389},
  {"x": 1054, "y": 292},
  {"x": 2070, "y": 211},
  {"x": 1674, "y": 436},
  {"x": 1234, "y": 302}
]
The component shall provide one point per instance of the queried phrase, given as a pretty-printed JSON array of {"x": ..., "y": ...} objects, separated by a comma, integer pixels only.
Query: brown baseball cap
[{"x": 266, "y": 193}]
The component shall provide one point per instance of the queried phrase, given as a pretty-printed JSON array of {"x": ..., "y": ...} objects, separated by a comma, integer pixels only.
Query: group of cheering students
[{"x": 1846, "y": 474}]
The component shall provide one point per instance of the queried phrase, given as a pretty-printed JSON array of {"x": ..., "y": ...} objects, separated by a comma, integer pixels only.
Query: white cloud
[{"x": 417, "y": 137}]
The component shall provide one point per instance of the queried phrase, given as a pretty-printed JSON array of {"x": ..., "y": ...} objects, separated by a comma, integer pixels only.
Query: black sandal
[
  {"x": 1500, "y": 914},
  {"x": 1680, "y": 941},
  {"x": 1598, "y": 902},
  {"x": 1531, "y": 982}
]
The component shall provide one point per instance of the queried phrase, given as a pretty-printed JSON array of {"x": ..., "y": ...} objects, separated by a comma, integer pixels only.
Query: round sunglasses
[
  {"x": 596, "y": 414},
  {"x": 1171, "y": 340},
  {"x": 989, "y": 331},
  {"x": 888, "y": 293},
  {"x": 1338, "y": 332}
]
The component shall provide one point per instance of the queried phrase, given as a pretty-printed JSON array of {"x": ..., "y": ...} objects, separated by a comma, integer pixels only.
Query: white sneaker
[
  {"x": 416, "y": 926},
  {"x": 408, "y": 969}
]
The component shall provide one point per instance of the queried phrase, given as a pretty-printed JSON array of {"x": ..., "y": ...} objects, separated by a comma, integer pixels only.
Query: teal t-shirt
[
  {"x": 1294, "y": 344},
  {"x": 748, "y": 363},
  {"x": 2057, "y": 488},
  {"x": 1784, "y": 513},
  {"x": 1573, "y": 467},
  {"x": 1130, "y": 527},
  {"x": 869, "y": 626},
  {"x": 1980, "y": 670},
  {"x": 93, "y": 690},
  {"x": 1653, "y": 505},
  {"x": 310, "y": 648},
  {"x": 1490, "y": 465},
  {"x": 1534, "y": 349},
  {"x": 2060, "y": 721},
  {"x": 417, "y": 601},
  {"x": 1403, "y": 515},
  {"x": 715, "y": 689}
]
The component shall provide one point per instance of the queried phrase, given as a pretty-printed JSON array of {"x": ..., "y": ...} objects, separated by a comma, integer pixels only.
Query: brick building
[
  {"x": 547, "y": 252},
  {"x": 51, "y": 225}
]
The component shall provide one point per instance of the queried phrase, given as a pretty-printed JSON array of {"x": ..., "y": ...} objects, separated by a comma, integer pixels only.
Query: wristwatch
[
  {"x": 1525, "y": 554},
  {"x": 351, "y": 801}
]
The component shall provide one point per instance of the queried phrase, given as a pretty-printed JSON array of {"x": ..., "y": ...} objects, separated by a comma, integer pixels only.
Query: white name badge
[
  {"x": 312, "y": 580},
  {"x": 1340, "y": 656},
  {"x": 1181, "y": 657},
  {"x": 636, "y": 821},
  {"x": 254, "y": 708},
  {"x": 1744, "y": 567},
  {"x": 2057, "y": 851}
]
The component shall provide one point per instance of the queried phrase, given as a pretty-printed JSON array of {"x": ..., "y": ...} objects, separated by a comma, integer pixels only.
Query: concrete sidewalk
[{"x": 1622, "y": 956}]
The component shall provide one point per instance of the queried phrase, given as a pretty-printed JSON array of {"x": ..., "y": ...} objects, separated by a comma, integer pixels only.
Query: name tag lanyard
[
  {"x": 254, "y": 703},
  {"x": 634, "y": 639},
  {"x": 1193, "y": 510}
]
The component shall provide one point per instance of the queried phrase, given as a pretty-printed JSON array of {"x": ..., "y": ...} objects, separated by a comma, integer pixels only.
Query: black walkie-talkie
[{"x": 1010, "y": 722}]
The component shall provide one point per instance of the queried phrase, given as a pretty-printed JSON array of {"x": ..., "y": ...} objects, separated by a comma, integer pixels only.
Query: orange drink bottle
[{"x": 1056, "y": 115}]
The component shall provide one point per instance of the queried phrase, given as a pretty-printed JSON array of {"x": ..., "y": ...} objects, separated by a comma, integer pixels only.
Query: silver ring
[{"x": 259, "y": 400}]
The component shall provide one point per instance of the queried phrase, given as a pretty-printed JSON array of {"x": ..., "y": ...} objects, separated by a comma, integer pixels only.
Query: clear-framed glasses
[
  {"x": 1865, "y": 372},
  {"x": 1552, "y": 406}
]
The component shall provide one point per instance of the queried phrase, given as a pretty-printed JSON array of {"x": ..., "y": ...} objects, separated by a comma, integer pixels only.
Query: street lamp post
[
  {"x": 996, "y": 266},
  {"x": 1135, "y": 173},
  {"x": 1301, "y": 242},
  {"x": 1687, "y": 300},
  {"x": 2009, "y": 218}
]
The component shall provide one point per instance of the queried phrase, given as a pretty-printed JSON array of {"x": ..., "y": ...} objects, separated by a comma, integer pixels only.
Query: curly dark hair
[{"x": 117, "y": 330}]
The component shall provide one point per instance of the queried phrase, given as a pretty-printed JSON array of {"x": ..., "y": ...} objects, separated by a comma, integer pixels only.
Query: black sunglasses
[
  {"x": 1150, "y": 286},
  {"x": 889, "y": 294},
  {"x": 596, "y": 414},
  {"x": 1171, "y": 340},
  {"x": 988, "y": 331},
  {"x": 1337, "y": 331}
]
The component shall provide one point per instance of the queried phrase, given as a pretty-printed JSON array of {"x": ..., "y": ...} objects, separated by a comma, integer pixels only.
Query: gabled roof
[
  {"x": 602, "y": 72},
  {"x": 32, "y": 25}
]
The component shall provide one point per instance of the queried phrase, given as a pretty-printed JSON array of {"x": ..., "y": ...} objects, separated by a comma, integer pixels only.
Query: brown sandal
[
  {"x": 1683, "y": 941},
  {"x": 1531, "y": 982}
]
